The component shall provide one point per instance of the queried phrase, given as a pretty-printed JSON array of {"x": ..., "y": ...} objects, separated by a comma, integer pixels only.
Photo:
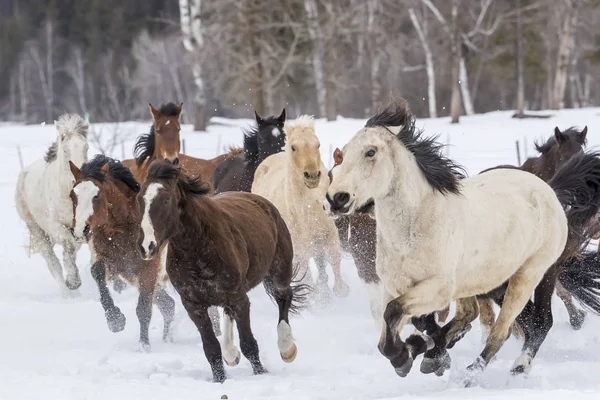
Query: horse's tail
[
  {"x": 577, "y": 187},
  {"x": 581, "y": 277},
  {"x": 300, "y": 291}
]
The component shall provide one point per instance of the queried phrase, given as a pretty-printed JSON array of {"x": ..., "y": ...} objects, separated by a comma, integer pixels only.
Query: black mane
[
  {"x": 144, "y": 147},
  {"x": 92, "y": 169},
  {"x": 251, "y": 143},
  {"x": 51, "y": 153},
  {"x": 442, "y": 173},
  {"x": 572, "y": 133},
  {"x": 165, "y": 170}
]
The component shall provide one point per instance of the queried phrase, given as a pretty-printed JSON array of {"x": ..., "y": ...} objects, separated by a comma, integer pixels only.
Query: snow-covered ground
[{"x": 55, "y": 348}]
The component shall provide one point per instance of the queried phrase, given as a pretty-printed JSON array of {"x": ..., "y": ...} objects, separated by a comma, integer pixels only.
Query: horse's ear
[
  {"x": 75, "y": 171},
  {"x": 338, "y": 156},
  {"x": 104, "y": 169},
  {"x": 155, "y": 112},
  {"x": 583, "y": 133},
  {"x": 558, "y": 135},
  {"x": 179, "y": 109},
  {"x": 259, "y": 119},
  {"x": 281, "y": 118},
  {"x": 395, "y": 129}
]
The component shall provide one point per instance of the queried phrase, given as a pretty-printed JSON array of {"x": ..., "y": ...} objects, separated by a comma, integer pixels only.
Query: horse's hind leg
[
  {"x": 334, "y": 253},
  {"x": 241, "y": 314},
  {"x": 487, "y": 316},
  {"x": 520, "y": 287},
  {"x": 576, "y": 316},
  {"x": 166, "y": 306},
  {"x": 114, "y": 317},
  {"x": 283, "y": 294},
  {"x": 322, "y": 280},
  {"x": 41, "y": 241},
  {"x": 541, "y": 320}
]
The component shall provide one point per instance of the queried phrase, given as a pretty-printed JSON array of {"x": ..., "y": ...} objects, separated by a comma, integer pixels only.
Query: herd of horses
[{"x": 422, "y": 234}]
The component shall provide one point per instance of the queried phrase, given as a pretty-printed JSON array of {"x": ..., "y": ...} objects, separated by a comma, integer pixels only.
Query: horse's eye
[
  {"x": 95, "y": 197},
  {"x": 293, "y": 148},
  {"x": 370, "y": 153}
]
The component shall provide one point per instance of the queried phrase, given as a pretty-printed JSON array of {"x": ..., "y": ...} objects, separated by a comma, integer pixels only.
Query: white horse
[
  {"x": 295, "y": 180},
  {"x": 440, "y": 237},
  {"x": 43, "y": 200}
]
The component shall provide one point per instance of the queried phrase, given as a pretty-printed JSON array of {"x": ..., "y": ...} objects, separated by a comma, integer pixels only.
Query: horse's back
[{"x": 269, "y": 176}]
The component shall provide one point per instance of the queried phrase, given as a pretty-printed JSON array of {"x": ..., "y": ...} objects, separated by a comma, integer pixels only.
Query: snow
[{"x": 56, "y": 348}]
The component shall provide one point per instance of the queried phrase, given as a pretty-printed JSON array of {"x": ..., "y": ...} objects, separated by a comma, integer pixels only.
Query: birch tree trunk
[
  {"x": 565, "y": 51},
  {"x": 375, "y": 44},
  {"x": 519, "y": 60},
  {"x": 464, "y": 86},
  {"x": 318, "y": 53},
  {"x": 429, "y": 67},
  {"x": 456, "y": 57},
  {"x": 191, "y": 29}
]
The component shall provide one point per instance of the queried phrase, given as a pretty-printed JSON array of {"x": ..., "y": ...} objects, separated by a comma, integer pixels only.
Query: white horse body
[
  {"x": 457, "y": 240},
  {"x": 43, "y": 199}
]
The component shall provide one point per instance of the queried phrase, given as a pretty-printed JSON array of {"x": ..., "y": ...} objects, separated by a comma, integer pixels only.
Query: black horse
[{"x": 236, "y": 173}]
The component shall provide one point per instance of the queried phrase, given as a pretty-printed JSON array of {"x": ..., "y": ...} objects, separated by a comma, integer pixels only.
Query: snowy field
[{"x": 56, "y": 348}]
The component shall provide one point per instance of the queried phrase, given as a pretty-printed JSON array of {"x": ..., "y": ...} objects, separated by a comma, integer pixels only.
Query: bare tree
[
  {"x": 193, "y": 41},
  {"x": 75, "y": 69},
  {"x": 318, "y": 52},
  {"x": 429, "y": 66},
  {"x": 565, "y": 52}
]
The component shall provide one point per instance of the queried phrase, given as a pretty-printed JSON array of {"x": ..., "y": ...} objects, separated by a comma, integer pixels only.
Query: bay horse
[
  {"x": 163, "y": 142},
  {"x": 236, "y": 173},
  {"x": 294, "y": 180},
  {"x": 442, "y": 236},
  {"x": 220, "y": 247},
  {"x": 43, "y": 203},
  {"x": 105, "y": 215},
  {"x": 554, "y": 153}
]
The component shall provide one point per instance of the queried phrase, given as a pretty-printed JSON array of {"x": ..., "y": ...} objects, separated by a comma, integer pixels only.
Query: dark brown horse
[
  {"x": 236, "y": 173},
  {"x": 106, "y": 215},
  {"x": 557, "y": 150},
  {"x": 220, "y": 247}
]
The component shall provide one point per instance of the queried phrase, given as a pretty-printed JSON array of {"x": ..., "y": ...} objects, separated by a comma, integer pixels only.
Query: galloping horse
[
  {"x": 294, "y": 180},
  {"x": 236, "y": 173},
  {"x": 220, "y": 247},
  {"x": 441, "y": 236},
  {"x": 43, "y": 203},
  {"x": 105, "y": 215}
]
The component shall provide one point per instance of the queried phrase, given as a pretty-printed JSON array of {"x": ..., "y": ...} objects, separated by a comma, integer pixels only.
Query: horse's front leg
[
  {"x": 147, "y": 285},
  {"x": 73, "y": 280},
  {"x": 114, "y": 317},
  {"x": 334, "y": 253},
  {"x": 417, "y": 300}
]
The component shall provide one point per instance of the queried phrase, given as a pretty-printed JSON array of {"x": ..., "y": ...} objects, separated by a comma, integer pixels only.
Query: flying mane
[
  {"x": 164, "y": 170},
  {"x": 93, "y": 169},
  {"x": 144, "y": 147},
  {"x": 442, "y": 173}
]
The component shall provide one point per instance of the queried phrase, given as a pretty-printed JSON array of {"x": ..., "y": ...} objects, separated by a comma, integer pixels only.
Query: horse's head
[
  {"x": 161, "y": 200},
  {"x": 103, "y": 196},
  {"x": 388, "y": 155},
  {"x": 71, "y": 141},
  {"x": 271, "y": 137},
  {"x": 302, "y": 147},
  {"x": 166, "y": 130}
]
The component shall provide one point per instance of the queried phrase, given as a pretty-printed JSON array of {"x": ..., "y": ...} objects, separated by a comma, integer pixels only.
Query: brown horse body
[
  {"x": 220, "y": 247},
  {"x": 107, "y": 189}
]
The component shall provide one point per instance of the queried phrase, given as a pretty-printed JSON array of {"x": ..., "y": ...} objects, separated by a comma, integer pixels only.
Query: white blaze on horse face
[
  {"x": 147, "y": 227},
  {"x": 276, "y": 132},
  {"x": 85, "y": 192}
]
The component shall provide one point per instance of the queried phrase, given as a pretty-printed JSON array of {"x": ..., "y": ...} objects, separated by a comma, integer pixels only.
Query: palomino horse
[
  {"x": 163, "y": 143},
  {"x": 441, "y": 236},
  {"x": 236, "y": 173},
  {"x": 557, "y": 150},
  {"x": 216, "y": 256},
  {"x": 43, "y": 203},
  {"x": 292, "y": 181},
  {"x": 105, "y": 214}
]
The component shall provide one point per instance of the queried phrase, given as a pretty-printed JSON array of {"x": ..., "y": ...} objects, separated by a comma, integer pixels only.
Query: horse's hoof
[
  {"x": 258, "y": 369},
  {"x": 73, "y": 284},
  {"x": 577, "y": 320},
  {"x": 290, "y": 355},
  {"x": 341, "y": 289},
  {"x": 219, "y": 377},
  {"x": 143, "y": 348},
  {"x": 115, "y": 320},
  {"x": 522, "y": 365},
  {"x": 436, "y": 364},
  {"x": 119, "y": 285},
  {"x": 405, "y": 368}
]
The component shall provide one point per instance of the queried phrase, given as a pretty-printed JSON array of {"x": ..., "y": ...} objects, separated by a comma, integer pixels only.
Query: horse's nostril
[
  {"x": 176, "y": 161},
  {"x": 151, "y": 247},
  {"x": 340, "y": 199},
  {"x": 86, "y": 229},
  {"x": 319, "y": 174},
  {"x": 306, "y": 175}
]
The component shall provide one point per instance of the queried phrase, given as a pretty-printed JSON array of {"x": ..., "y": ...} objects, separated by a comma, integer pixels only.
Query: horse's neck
[
  {"x": 198, "y": 218},
  {"x": 65, "y": 177}
]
